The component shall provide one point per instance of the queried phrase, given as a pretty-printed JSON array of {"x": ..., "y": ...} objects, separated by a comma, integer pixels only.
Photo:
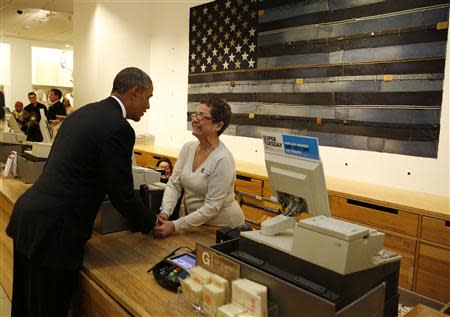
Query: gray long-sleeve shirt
[{"x": 208, "y": 191}]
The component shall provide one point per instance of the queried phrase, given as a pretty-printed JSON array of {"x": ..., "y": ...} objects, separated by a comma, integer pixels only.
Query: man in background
[
  {"x": 57, "y": 108},
  {"x": 52, "y": 220},
  {"x": 31, "y": 124}
]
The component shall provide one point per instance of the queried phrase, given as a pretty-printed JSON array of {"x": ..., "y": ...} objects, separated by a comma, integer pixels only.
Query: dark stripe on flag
[
  {"x": 420, "y": 98},
  {"x": 376, "y": 39},
  {"x": 348, "y": 13},
  {"x": 370, "y": 129},
  {"x": 434, "y": 65}
]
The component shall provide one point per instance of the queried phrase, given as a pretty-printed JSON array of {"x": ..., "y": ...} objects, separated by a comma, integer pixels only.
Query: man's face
[
  {"x": 32, "y": 99},
  {"x": 138, "y": 102},
  {"x": 18, "y": 106},
  {"x": 53, "y": 97}
]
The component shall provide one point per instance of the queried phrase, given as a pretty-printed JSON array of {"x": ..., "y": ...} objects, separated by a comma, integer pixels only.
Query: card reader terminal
[{"x": 168, "y": 272}]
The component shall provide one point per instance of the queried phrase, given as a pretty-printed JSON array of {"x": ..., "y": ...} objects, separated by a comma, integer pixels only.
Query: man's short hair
[
  {"x": 32, "y": 94},
  {"x": 57, "y": 92},
  {"x": 130, "y": 77}
]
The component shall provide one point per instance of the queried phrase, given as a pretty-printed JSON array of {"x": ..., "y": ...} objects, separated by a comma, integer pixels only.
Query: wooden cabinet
[
  {"x": 6, "y": 248},
  {"x": 436, "y": 230},
  {"x": 406, "y": 248},
  {"x": 148, "y": 159},
  {"x": 433, "y": 272},
  {"x": 379, "y": 216}
]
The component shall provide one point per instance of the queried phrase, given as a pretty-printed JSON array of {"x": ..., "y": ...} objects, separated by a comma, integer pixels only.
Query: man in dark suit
[
  {"x": 52, "y": 221},
  {"x": 57, "y": 108},
  {"x": 30, "y": 124}
]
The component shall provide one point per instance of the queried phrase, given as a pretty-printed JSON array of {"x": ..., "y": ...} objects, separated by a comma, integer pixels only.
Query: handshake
[{"x": 163, "y": 227}]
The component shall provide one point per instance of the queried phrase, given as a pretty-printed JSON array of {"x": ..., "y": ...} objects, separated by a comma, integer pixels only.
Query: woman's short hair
[{"x": 220, "y": 111}]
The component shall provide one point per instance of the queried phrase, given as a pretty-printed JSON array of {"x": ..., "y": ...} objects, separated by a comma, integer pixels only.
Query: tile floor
[{"x": 5, "y": 304}]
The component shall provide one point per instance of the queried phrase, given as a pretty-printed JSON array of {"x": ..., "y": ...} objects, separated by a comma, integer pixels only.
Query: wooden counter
[{"x": 114, "y": 279}]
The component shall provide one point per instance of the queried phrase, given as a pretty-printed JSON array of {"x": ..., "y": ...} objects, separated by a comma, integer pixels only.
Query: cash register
[
  {"x": 11, "y": 137},
  {"x": 318, "y": 266},
  {"x": 31, "y": 163},
  {"x": 146, "y": 187}
]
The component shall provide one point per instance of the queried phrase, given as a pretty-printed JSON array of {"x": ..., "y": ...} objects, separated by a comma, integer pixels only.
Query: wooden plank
[
  {"x": 431, "y": 65},
  {"x": 403, "y": 222},
  {"x": 433, "y": 272},
  {"x": 436, "y": 230},
  {"x": 118, "y": 263},
  {"x": 424, "y": 311},
  {"x": 6, "y": 248},
  {"x": 91, "y": 301},
  {"x": 347, "y": 14}
]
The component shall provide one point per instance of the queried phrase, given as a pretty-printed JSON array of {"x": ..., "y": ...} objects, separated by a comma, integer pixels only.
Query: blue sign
[{"x": 302, "y": 146}]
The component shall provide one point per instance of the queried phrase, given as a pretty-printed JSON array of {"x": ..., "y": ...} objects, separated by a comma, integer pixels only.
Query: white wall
[
  {"x": 18, "y": 82},
  {"x": 155, "y": 38}
]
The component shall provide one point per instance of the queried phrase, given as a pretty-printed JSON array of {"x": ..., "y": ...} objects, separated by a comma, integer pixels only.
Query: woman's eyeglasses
[{"x": 200, "y": 116}]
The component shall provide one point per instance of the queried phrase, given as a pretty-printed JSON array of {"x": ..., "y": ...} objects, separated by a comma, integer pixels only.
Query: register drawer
[
  {"x": 379, "y": 216},
  {"x": 433, "y": 272},
  {"x": 436, "y": 230}
]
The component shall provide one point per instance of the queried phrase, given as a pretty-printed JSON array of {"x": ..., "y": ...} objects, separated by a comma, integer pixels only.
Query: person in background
[
  {"x": 205, "y": 170},
  {"x": 57, "y": 108},
  {"x": 2, "y": 105},
  {"x": 67, "y": 106},
  {"x": 52, "y": 220},
  {"x": 18, "y": 112},
  {"x": 166, "y": 164},
  {"x": 30, "y": 125}
]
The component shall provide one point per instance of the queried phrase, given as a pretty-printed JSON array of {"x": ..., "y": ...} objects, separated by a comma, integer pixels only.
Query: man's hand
[{"x": 163, "y": 228}]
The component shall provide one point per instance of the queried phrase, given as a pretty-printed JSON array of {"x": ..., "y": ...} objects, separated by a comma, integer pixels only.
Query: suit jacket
[
  {"x": 52, "y": 220},
  {"x": 56, "y": 109},
  {"x": 34, "y": 132}
]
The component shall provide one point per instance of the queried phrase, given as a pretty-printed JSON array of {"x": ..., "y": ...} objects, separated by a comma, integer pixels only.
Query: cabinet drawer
[
  {"x": 378, "y": 216},
  {"x": 433, "y": 272},
  {"x": 255, "y": 216},
  {"x": 267, "y": 189},
  {"x": 436, "y": 230},
  {"x": 249, "y": 185},
  {"x": 406, "y": 247},
  {"x": 139, "y": 157}
]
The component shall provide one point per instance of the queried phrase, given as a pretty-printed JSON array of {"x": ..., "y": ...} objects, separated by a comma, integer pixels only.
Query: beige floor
[{"x": 5, "y": 304}]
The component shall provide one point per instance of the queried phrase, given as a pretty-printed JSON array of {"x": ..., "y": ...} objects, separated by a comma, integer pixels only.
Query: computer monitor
[
  {"x": 45, "y": 128},
  {"x": 296, "y": 174},
  {"x": 12, "y": 123}
]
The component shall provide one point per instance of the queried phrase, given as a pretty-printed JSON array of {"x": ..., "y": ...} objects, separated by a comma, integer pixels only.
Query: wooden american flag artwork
[{"x": 357, "y": 74}]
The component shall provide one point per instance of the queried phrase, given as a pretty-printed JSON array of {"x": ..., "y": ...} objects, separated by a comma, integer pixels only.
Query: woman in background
[
  {"x": 166, "y": 164},
  {"x": 66, "y": 103},
  {"x": 205, "y": 170}
]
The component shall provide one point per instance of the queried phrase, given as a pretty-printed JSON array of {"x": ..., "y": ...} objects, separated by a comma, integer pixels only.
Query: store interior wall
[{"x": 154, "y": 36}]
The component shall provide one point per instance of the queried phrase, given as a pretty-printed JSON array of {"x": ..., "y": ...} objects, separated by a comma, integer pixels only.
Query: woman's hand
[
  {"x": 162, "y": 216},
  {"x": 163, "y": 228}
]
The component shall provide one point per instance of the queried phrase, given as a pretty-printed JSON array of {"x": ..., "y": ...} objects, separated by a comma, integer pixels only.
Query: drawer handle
[
  {"x": 157, "y": 157},
  {"x": 244, "y": 178},
  {"x": 372, "y": 206},
  {"x": 137, "y": 153}
]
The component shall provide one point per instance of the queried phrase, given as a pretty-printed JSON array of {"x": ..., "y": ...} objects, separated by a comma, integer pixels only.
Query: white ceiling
[{"x": 42, "y": 20}]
